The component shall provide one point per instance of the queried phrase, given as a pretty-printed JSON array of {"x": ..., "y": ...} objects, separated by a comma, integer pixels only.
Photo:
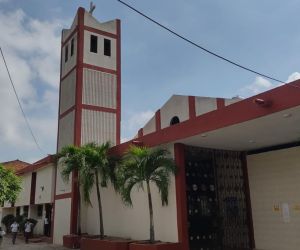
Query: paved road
[{"x": 20, "y": 245}]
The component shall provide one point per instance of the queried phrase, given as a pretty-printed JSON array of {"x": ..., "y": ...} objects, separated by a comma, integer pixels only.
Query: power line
[
  {"x": 16, "y": 94},
  {"x": 199, "y": 46}
]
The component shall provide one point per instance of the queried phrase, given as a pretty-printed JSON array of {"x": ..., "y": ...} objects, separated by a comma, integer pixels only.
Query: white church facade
[{"x": 238, "y": 160}]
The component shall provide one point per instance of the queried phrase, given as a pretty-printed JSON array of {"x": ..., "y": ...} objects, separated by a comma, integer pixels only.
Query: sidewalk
[{"x": 20, "y": 245}]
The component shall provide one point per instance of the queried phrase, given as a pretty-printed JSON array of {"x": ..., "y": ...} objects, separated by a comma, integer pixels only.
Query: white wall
[
  {"x": 109, "y": 26},
  {"x": 176, "y": 106},
  {"x": 98, "y": 127},
  {"x": 62, "y": 186},
  {"x": 24, "y": 196},
  {"x": 67, "y": 92},
  {"x": 61, "y": 220},
  {"x": 274, "y": 179},
  {"x": 45, "y": 184},
  {"x": 66, "y": 130},
  {"x": 99, "y": 59},
  {"x": 133, "y": 222}
]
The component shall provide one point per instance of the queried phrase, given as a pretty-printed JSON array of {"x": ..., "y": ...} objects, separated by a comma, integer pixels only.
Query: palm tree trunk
[
  {"x": 99, "y": 205},
  {"x": 152, "y": 236}
]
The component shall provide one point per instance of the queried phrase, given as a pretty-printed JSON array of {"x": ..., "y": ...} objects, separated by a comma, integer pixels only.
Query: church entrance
[{"x": 216, "y": 200}]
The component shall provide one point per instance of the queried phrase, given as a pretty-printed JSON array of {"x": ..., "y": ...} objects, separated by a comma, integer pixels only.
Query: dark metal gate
[{"x": 217, "y": 213}]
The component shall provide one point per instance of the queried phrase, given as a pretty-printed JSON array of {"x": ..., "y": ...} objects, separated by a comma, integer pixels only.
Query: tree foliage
[
  {"x": 10, "y": 185},
  {"x": 140, "y": 166},
  {"x": 94, "y": 166}
]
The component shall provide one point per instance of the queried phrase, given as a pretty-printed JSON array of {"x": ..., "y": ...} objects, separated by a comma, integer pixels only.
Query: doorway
[{"x": 216, "y": 200}]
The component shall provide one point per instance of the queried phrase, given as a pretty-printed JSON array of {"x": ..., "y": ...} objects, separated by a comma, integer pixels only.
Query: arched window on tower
[{"x": 174, "y": 120}]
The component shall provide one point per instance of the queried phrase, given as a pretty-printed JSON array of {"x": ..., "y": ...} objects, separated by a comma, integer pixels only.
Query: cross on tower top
[{"x": 92, "y": 7}]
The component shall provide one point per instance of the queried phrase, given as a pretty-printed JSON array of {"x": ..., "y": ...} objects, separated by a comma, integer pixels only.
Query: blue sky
[{"x": 263, "y": 35}]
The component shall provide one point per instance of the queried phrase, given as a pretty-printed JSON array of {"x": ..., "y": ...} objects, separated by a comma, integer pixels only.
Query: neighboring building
[
  {"x": 238, "y": 159},
  {"x": 37, "y": 193}
]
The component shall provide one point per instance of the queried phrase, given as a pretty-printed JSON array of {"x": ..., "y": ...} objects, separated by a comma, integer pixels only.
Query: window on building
[
  {"x": 107, "y": 47},
  {"x": 18, "y": 211},
  {"x": 72, "y": 47},
  {"x": 94, "y": 44},
  {"x": 25, "y": 211},
  {"x": 66, "y": 52},
  {"x": 40, "y": 210},
  {"x": 174, "y": 120}
]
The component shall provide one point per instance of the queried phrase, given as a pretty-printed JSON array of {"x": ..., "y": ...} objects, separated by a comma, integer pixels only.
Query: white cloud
[
  {"x": 32, "y": 51},
  {"x": 293, "y": 77},
  {"x": 134, "y": 122},
  {"x": 259, "y": 85}
]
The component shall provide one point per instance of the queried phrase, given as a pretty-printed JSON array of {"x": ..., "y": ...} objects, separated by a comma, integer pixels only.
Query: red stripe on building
[
  {"x": 192, "y": 107},
  {"x": 101, "y": 32},
  {"x": 157, "y": 120}
]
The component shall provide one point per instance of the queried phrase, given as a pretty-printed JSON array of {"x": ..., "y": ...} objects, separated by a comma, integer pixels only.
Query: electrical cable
[
  {"x": 18, "y": 99},
  {"x": 204, "y": 49}
]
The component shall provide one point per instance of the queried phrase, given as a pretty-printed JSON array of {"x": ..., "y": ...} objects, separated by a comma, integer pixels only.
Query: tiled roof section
[
  {"x": 37, "y": 165},
  {"x": 15, "y": 165}
]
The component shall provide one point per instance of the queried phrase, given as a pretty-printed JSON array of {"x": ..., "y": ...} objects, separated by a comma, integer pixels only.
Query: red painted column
[
  {"x": 192, "y": 107},
  {"x": 78, "y": 112},
  {"x": 157, "y": 120},
  {"x": 181, "y": 201},
  {"x": 118, "y": 118}
]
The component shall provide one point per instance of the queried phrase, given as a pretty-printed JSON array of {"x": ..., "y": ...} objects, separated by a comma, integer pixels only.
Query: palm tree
[
  {"x": 72, "y": 159},
  {"x": 91, "y": 161},
  {"x": 142, "y": 165}
]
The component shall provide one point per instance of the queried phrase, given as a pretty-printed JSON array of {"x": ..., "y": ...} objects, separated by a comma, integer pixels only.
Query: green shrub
[{"x": 7, "y": 220}]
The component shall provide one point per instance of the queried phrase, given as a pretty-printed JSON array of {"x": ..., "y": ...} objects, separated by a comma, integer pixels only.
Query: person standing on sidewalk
[
  {"x": 27, "y": 228},
  {"x": 14, "y": 230},
  {"x": 2, "y": 233}
]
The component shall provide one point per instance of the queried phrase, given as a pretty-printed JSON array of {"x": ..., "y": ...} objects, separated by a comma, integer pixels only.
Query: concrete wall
[
  {"x": 44, "y": 192},
  {"x": 204, "y": 105},
  {"x": 99, "y": 59},
  {"x": 66, "y": 130},
  {"x": 175, "y": 106},
  {"x": 274, "y": 184},
  {"x": 133, "y": 222},
  {"x": 62, "y": 186},
  {"x": 99, "y": 89},
  {"x": 67, "y": 92},
  {"x": 61, "y": 220},
  {"x": 98, "y": 127},
  {"x": 150, "y": 126},
  {"x": 24, "y": 196},
  {"x": 109, "y": 26}
]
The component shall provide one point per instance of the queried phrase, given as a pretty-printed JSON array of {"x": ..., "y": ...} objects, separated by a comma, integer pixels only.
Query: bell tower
[{"x": 89, "y": 98}]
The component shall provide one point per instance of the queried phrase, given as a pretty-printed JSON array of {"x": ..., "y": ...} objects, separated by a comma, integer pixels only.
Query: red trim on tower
[
  {"x": 118, "y": 118},
  {"x": 63, "y": 196},
  {"x": 97, "y": 108},
  {"x": 67, "y": 112},
  {"x": 101, "y": 32},
  {"x": 69, "y": 36},
  {"x": 220, "y": 103},
  {"x": 78, "y": 111},
  {"x": 59, "y": 100},
  {"x": 67, "y": 74},
  {"x": 94, "y": 67},
  {"x": 182, "y": 221},
  {"x": 192, "y": 107},
  {"x": 157, "y": 120}
]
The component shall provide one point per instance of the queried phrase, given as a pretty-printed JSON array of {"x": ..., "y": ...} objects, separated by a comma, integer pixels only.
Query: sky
[{"x": 263, "y": 35}]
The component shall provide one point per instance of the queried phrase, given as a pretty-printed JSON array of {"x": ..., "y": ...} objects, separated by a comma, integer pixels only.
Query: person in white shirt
[
  {"x": 14, "y": 230},
  {"x": 27, "y": 229}
]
